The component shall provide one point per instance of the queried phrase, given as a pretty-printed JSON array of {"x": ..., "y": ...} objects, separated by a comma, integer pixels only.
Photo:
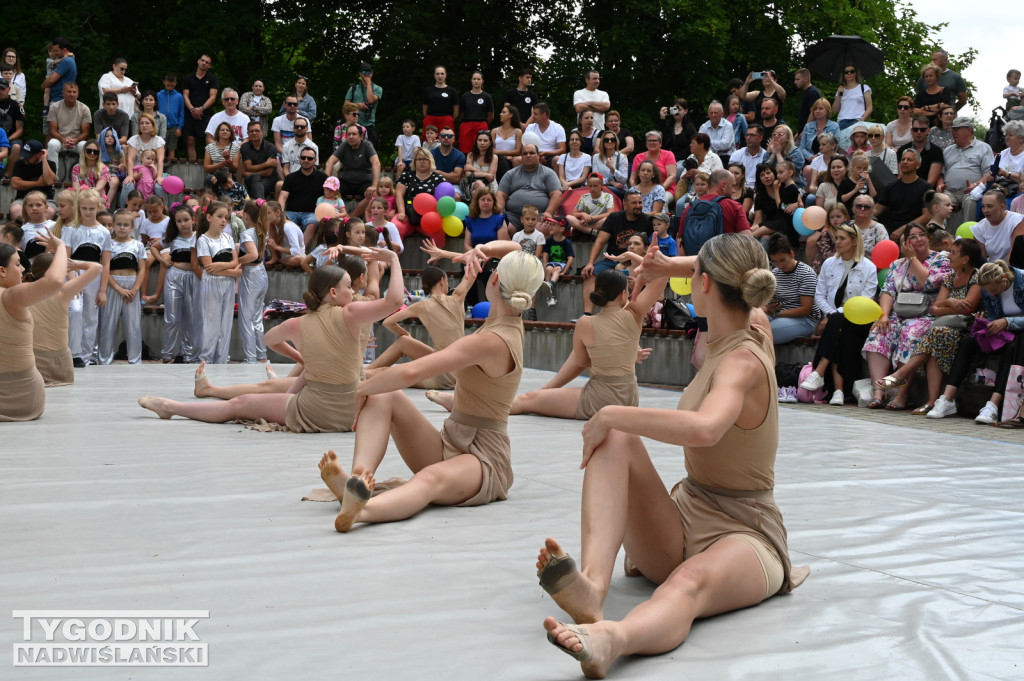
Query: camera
[{"x": 673, "y": 110}]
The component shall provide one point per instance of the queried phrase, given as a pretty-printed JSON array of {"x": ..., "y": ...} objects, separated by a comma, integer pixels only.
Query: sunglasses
[
  {"x": 861, "y": 206},
  {"x": 230, "y": 99},
  {"x": 902, "y": 107},
  {"x": 919, "y": 129},
  {"x": 849, "y": 70},
  {"x": 299, "y": 127},
  {"x": 447, "y": 137},
  {"x": 307, "y": 158},
  {"x": 291, "y": 103},
  {"x": 92, "y": 152},
  {"x": 609, "y": 139},
  {"x": 874, "y": 134}
]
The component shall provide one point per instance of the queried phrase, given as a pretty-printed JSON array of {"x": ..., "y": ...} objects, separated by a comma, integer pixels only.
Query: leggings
[{"x": 969, "y": 352}]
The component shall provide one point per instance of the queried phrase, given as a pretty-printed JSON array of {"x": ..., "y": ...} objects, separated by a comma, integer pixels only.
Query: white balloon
[{"x": 531, "y": 138}]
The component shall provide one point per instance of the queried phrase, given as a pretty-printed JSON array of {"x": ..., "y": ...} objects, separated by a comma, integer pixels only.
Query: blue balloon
[
  {"x": 689, "y": 306},
  {"x": 798, "y": 223},
  {"x": 481, "y": 310}
]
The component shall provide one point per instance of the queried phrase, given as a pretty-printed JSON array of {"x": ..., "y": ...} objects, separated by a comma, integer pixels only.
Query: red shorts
[
  {"x": 440, "y": 122},
  {"x": 467, "y": 134}
]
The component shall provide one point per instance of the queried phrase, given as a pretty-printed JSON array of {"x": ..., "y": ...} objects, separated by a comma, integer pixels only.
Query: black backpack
[{"x": 703, "y": 221}]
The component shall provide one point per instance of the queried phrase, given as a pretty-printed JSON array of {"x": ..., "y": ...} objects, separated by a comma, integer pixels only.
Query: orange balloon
[
  {"x": 815, "y": 217},
  {"x": 325, "y": 210}
]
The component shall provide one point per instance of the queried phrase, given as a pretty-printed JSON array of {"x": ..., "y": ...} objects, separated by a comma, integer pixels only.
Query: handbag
[
  {"x": 910, "y": 304},
  {"x": 675, "y": 315},
  {"x": 953, "y": 321}
]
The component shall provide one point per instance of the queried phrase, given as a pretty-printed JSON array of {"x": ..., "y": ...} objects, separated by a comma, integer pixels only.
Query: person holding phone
[
  {"x": 771, "y": 90},
  {"x": 366, "y": 95}
]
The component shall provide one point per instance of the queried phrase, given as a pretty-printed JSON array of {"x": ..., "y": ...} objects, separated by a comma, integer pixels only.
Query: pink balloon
[
  {"x": 173, "y": 184},
  {"x": 885, "y": 253}
]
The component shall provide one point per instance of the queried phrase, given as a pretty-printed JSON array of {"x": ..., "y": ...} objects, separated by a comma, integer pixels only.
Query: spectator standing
[
  {"x": 366, "y": 95},
  {"x": 65, "y": 69},
  {"x": 592, "y": 99},
  {"x": 306, "y": 103},
  {"x": 477, "y": 110},
  {"x": 771, "y": 90},
  {"x": 11, "y": 60},
  {"x": 200, "y": 93},
  {"x": 12, "y": 122},
  {"x": 811, "y": 95},
  {"x": 523, "y": 97},
  {"x": 932, "y": 96},
  {"x": 440, "y": 102},
  {"x": 118, "y": 83},
  {"x": 257, "y": 106},
  {"x": 948, "y": 79},
  {"x": 965, "y": 162},
  {"x": 853, "y": 99},
  {"x": 172, "y": 105}
]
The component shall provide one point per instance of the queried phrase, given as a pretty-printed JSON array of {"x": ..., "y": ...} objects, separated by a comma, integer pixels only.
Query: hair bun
[
  {"x": 758, "y": 287},
  {"x": 520, "y": 300}
]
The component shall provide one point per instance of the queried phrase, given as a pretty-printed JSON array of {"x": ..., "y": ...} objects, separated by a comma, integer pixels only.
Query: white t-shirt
[
  {"x": 584, "y": 95},
  {"x": 573, "y": 167},
  {"x": 211, "y": 247},
  {"x": 996, "y": 238},
  {"x": 125, "y": 100},
  {"x": 32, "y": 230},
  {"x": 293, "y": 235},
  {"x": 549, "y": 139},
  {"x": 396, "y": 237},
  {"x": 407, "y": 145},
  {"x": 536, "y": 237},
  {"x": 153, "y": 230},
  {"x": 852, "y": 105},
  {"x": 239, "y": 123}
]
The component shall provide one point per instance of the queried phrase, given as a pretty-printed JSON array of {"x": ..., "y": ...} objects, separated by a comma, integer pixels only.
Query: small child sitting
[
  {"x": 593, "y": 208},
  {"x": 226, "y": 189},
  {"x": 405, "y": 145},
  {"x": 666, "y": 244},
  {"x": 557, "y": 257},
  {"x": 430, "y": 141},
  {"x": 331, "y": 187}
]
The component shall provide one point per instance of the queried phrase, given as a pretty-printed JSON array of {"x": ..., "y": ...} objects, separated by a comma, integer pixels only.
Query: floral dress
[
  {"x": 899, "y": 339},
  {"x": 88, "y": 180},
  {"x": 942, "y": 342},
  {"x": 826, "y": 249}
]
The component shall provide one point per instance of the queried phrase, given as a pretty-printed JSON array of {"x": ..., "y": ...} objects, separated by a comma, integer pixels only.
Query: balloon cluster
[
  {"x": 440, "y": 214},
  {"x": 809, "y": 220},
  {"x": 883, "y": 255}
]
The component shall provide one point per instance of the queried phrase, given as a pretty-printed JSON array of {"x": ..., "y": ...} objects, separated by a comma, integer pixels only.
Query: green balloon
[
  {"x": 446, "y": 206},
  {"x": 882, "y": 274},
  {"x": 964, "y": 230},
  {"x": 461, "y": 210}
]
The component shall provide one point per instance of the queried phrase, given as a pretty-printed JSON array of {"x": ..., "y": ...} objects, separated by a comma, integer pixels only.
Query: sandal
[
  {"x": 877, "y": 402},
  {"x": 1015, "y": 422},
  {"x": 895, "y": 406},
  {"x": 890, "y": 382},
  {"x": 922, "y": 410}
]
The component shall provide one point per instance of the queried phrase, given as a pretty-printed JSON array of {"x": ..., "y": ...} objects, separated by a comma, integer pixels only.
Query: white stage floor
[{"x": 915, "y": 540}]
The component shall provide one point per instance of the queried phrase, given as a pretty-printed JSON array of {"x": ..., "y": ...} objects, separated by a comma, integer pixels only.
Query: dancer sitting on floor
[
  {"x": 608, "y": 344},
  {"x": 50, "y": 317},
  {"x": 716, "y": 543},
  {"x": 22, "y": 396},
  {"x": 324, "y": 399},
  {"x": 469, "y": 462},
  {"x": 442, "y": 315}
]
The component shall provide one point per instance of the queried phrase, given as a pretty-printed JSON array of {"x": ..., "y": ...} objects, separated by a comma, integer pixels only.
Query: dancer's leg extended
[
  {"x": 271, "y": 408},
  {"x": 558, "y": 402}
]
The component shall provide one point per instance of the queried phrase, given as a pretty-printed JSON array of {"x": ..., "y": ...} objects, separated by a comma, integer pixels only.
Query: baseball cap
[
  {"x": 332, "y": 183},
  {"x": 365, "y": 67},
  {"x": 661, "y": 216},
  {"x": 31, "y": 148},
  {"x": 4, "y": 84}
]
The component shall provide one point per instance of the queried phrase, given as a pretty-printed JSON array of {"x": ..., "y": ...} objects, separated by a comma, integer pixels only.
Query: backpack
[{"x": 703, "y": 221}]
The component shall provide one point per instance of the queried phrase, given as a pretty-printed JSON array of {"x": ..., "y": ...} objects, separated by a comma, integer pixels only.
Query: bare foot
[
  {"x": 202, "y": 388},
  {"x": 446, "y": 400},
  {"x": 358, "y": 490},
  {"x": 333, "y": 474},
  {"x": 590, "y": 645},
  {"x": 157, "y": 405},
  {"x": 568, "y": 587},
  {"x": 271, "y": 374}
]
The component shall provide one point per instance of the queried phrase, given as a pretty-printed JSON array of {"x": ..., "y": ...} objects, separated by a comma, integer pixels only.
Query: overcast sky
[{"x": 985, "y": 32}]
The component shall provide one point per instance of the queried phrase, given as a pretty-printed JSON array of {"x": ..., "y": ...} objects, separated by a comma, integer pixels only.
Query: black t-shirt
[
  {"x": 476, "y": 107},
  {"x": 31, "y": 172},
  {"x": 844, "y": 188},
  {"x": 440, "y": 101},
  {"x": 355, "y": 163},
  {"x": 522, "y": 101},
  {"x": 903, "y": 203},
  {"x": 929, "y": 156},
  {"x": 199, "y": 89},
  {"x": 10, "y": 113},
  {"x": 621, "y": 229},
  {"x": 258, "y": 156},
  {"x": 811, "y": 95},
  {"x": 414, "y": 186},
  {"x": 303, "y": 190}
]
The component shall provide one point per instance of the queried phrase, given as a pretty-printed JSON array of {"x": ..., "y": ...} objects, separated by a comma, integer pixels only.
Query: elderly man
[
  {"x": 903, "y": 200},
  {"x": 530, "y": 184},
  {"x": 259, "y": 164},
  {"x": 238, "y": 121},
  {"x": 615, "y": 234},
  {"x": 592, "y": 99},
  {"x": 360, "y": 168},
  {"x": 70, "y": 122},
  {"x": 751, "y": 155},
  {"x": 949, "y": 79},
  {"x": 551, "y": 134},
  {"x": 931, "y": 156},
  {"x": 718, "y": 129},
  {"x": 965, "y": 162}
]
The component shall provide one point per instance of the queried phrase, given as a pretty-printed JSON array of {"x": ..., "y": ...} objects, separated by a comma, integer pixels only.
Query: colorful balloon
[
  {"x": 432, "y": 223},
  {"x": 325, "y": 210},
  {"x": 452, "y": 225},
  {"x": 815, "y": 218},
  {"x": 461, "y": 210},
  {"x": 446, "y": 206},
  {"x": 173, "y": 184},
  {"x": 798, "y": 222},
  {"x": 861, "y": 310},
  {"x": 481, "y": 310},
  {"x": 963, "y": 231},
  {"x": 444, "y": 189},
  {"x": 424, "y": 203},
  {"x": 681, "y": 285},
  {"x": 882, "y": 274},
  {"x": 885, "y": 253}
]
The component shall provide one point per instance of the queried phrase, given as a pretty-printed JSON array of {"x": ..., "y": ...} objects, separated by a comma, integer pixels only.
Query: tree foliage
[{"x": 648, "y": 51}]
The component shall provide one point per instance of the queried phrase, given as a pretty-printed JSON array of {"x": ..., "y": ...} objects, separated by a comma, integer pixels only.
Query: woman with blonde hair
[
  {"x": 817, "y": 125},
  {"x": 468, "y": 463},
  {"x": 716, "y": 542}
]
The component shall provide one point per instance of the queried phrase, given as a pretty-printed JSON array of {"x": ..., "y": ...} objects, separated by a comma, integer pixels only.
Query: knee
[{"x": 685, "y": 581}]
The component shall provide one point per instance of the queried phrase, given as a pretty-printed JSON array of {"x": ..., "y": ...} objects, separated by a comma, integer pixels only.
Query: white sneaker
[
  {"x": 547, "y": 285},
  {"x": 552, "y": 301},
  {"x": 988, "y": 414},
  {"x": 838, "y": 399},
  {"x": 813, "y": 382},
  {"x": 942, "y": 408}
]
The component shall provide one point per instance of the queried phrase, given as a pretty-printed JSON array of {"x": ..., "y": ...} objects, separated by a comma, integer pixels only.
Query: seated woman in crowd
[
  {"x": 573, "y": 166},
  {"x": 1002, "y": 295},
  {"x": 833, "y": 182},
  {"x": 663, "y": 160},
  {"x": 741, "y": 193},
  {"x": 481, "y": 169},
  {"x": 148, "y": 105},
  {"x": 791, "y": 311},
  {"x": 782, "y": 148},
  {"x": 776, "y": 198},
  {"x": 958, "y": 298},
  {"x": 1010, "y": 162},
  {"x": 837, "y": 361},
  {"x": 649, "y": 186},
  {"x": 613, "y": 122},
  {"x": 421, "y": 178},
  {"x": 871, "y": 231},
  {"x": 588, "y": 133},
  {"x": 897, "y": 132},
  {"x": 611, "y": 163},
  {"x": 881, "y": 150},
  {"x": 91, "y": 173},
  {"x": 817, "y": 125},
  {"x": 941, "y": 135},
  {"x": 508, "y": 137},
  {"x": 146, "y": 139},
  {"x": 893, "y": 337},
  {"x": 222, "y": 152}
]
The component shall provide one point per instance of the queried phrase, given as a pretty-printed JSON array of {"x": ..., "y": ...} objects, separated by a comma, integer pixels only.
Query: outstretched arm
[
  {"x": 87, "y": 273},
  {"x": 577, "y": 361}
]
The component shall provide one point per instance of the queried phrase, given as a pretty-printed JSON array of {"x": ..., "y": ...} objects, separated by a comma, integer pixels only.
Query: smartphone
[{"x": 757, "y": 75}]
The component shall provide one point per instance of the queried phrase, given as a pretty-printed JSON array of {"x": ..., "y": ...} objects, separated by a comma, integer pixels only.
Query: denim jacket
[{"x": 994, "y": 306}]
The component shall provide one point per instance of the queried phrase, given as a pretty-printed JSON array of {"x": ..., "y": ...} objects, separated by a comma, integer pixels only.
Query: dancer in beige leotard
[
  {"x": 716, "y": 543},
  {"x": 22, "y": 396},
  {"x": 50, "y": 330},
  {"x": 468, "y": 462},
  {"x": 328, "y": 338}
]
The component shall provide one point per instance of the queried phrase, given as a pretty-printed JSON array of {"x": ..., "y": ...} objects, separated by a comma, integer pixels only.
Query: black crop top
[
  {"x": 87, "y": 253},
  {"x": 182, "y": 255},
  {"x": 124, "y": 261}
]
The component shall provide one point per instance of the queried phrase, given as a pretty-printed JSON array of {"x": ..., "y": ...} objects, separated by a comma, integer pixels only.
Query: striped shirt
[{"x": 789, "y": 286}]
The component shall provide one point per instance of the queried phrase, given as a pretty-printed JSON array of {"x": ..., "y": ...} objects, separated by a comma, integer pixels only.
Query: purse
[
  {"x": 910, "y": 304},
  {"x": 953, "y": 321}
]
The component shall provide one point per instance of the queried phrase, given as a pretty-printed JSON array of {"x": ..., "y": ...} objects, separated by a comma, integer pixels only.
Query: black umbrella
[{"x": 831, "y": 55}]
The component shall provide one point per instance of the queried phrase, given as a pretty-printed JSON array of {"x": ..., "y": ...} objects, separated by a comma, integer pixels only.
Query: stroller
[{"x": 994, "y": 137}]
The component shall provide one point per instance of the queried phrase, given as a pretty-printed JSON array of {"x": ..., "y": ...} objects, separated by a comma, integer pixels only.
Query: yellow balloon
[
  {"x": 680, "y": 285},
  {"x": 861, "y": 310},
  {"x": 452, "y": 226}
]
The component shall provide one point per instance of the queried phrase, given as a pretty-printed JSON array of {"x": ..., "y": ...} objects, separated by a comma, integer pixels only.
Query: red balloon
[
  {"x": 424, "y": 203},
  {"x": 432, "y": 223},
  {"x": 885, "y": 253}
]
